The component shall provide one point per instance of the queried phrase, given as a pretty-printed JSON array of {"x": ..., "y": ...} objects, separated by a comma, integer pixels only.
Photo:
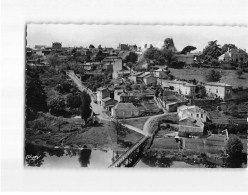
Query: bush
[
  {"x": 234, "y": 146},
  {"x": 213, "y": 76},
  {"x": 57, "y": 106},
  {"x": 177, "y": 65}
]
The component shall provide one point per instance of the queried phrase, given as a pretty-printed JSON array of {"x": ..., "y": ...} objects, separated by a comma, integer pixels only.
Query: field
[
  {"x": 228, "y": 76},
  {"x": 136, "y": 122}
]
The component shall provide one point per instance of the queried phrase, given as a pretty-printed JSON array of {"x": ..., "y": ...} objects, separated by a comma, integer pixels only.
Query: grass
[
  {"x": 228, "y": 76},
  {"x": 137, "y": 122}
]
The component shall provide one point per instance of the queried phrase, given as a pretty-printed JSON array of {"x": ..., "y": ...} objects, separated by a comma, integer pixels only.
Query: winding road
[{"x": 149, "y": 125}]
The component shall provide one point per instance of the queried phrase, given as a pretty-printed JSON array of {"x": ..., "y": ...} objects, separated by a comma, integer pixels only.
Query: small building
[
  {"x": 180, "y": 87},
  {"x": 124, "y": 110},
  {"x": 172, "y": 106},
  {"x": 234, "y": 55},
  {"x": 219, "y": 90},
  {"x": 56, "y": 45},
  {"x": 101, "y": 94},
  {"x": 188, "y": 58},
  {"x": 108, "y": 103},
  {"x": 124, "y": 47},
  {"x": 194, "y": 112},
  {"x": 149, "y": 80},
  {"x": 117, "y": 94},
  {"x": 190, "y": 127}
]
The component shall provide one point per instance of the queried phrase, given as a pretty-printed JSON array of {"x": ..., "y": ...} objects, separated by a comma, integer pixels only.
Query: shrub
[{"x": 234, "y": 146}]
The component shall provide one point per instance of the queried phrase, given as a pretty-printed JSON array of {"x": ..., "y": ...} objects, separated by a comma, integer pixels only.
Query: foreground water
[{"x": 37, "y": 156}]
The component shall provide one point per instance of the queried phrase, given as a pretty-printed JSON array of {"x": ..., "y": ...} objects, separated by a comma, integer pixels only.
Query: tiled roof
[
  {"x": 218, "y": 84},
  {"x": 125, "y": 106},
  {"x": 101, "y": 89}
]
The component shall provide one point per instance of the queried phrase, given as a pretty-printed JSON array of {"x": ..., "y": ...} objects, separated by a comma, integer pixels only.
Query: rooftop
[
  {"x": 218, "y": 84},
  {"x": 125, "y": 106}
]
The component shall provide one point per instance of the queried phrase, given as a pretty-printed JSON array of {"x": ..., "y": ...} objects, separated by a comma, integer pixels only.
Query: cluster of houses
[{"x": 120, "y": 102}]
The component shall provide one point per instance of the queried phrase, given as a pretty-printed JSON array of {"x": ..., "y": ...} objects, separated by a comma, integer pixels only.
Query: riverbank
[{"x": 58, "y": 132}]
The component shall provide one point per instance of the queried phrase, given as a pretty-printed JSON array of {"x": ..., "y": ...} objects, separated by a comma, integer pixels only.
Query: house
[
  {"x": 56, "y": 45},
  {"x": 108, "y": 103},
  {"x": 172, "y": 106},
  {"x": 117, "y": 94},
  {"x": 133, "y": 77},
  {"x": 124, "y": 110},
  {"x": 149, "y": 80},
  {"x": 219, "y": 90},
  {"x": 160, "y": 73},
  {"x": 190, "y": 127},
  {"x": 124, "y": 47},
  {"x": 188, "y": 58},
  {"x": 194, "y": 112},
  {"x": 113, "y": 63},
  {"x": 181, "y": 87},
  {"x": 101, "y": 94},
  {"x": 234, "y": 55}
]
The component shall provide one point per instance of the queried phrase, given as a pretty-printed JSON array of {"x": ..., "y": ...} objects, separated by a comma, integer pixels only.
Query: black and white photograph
[
  {"x": 155, "y": 97},
  {"x": 124, "y": 96}
]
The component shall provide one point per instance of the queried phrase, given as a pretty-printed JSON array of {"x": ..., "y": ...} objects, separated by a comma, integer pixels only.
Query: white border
[{"x": 16, "y": 13}]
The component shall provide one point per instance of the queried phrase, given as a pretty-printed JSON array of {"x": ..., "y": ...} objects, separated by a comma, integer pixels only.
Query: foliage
[
  {"x": 177, "y": 65},
  {"x": 91, "y": 46},
  {"x": 234, "y": 146},
  {"x": 85, "y": 106},
  {"x": 132, "y": 57},
  {"x": 57, "y": 106},
  {"x": 239, "y": 72},
  {"x": 53, "y": 60},
  {"x": 35, "y": 95},
  {"x": 135, "y": 86},
  {"x": 73, "y": 101},
  {"x": 188, "y": 49},
  {"x": 215, "y": 62},
  {"x": 226, "y": 46},
  {"x": 213, "y": 76},
  {"x": 168, "y": 42},
  {"x": 64, "y": 87},
  {"x": 99, "y": 56},
  {"x": 211, "y": 51}
]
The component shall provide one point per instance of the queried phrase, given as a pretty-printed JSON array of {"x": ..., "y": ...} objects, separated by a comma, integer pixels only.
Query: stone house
[
  {"x": 149, "y": 80},
  {"x": 193, "y": 112},
  {"x": 180, "y": 87},
  {"x": 101, "y": 94},
  {"x": 234, "y": 55},
  {"x": 124, "y": 110},
  {"x": 219, "y": 90},
  {"x": 108, "y": 103},
  {"x": 190, "y": 127}
]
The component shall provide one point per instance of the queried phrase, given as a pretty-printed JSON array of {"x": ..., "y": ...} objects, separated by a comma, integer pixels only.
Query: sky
[{"x": 111, "y": 35}]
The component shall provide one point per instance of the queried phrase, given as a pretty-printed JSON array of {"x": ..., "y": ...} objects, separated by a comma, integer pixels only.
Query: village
[{"x": 130, "y": 84}]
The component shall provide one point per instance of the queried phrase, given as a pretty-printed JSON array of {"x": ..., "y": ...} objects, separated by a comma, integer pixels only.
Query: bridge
[{"x": 131, "y": 157}]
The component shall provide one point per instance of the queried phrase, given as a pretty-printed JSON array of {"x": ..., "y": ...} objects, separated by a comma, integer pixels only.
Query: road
[{"x": 148, "y": 129}]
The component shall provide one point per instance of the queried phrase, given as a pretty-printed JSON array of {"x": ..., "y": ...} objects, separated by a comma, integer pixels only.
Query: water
[{"x": 37, "y": 156}]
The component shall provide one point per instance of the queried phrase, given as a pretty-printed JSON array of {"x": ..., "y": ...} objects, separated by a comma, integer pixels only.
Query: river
[{"x": 39, "y": 156}]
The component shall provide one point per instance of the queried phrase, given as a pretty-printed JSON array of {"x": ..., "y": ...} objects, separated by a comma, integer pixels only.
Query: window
[
  {"x": 197, "y": 115},
  {"x": 201, "y": 115},
  {"x": 217, "y": 91},
  {"x": 209, "y": 89}
]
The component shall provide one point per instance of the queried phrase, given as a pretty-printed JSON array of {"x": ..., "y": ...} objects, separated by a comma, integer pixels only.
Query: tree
[
  {"x": 91, "y": 46},
  {"x": 234, "y": 146},
  {"x": 152, "y": 53},
  {"x": 212, "y": 50},
  {"x": 85, "y": 106},
  {"x": 57, "y": 106},
  {"x": 168, "y": 55},
  {"x": 135, "y": 86},
  {"x": 53, "y": 60},
  {"x": 99, "y": 56},
  {"x": 99, "y": 47},
  {"x": 35, "y": 96},
  {"x": 239, "y": 73},
  {"x": 73, "y": 101},
  {"x": 213, "y": 76},
  {"x": 225, "y": 47},
  {"x": 188, "y": 49},
  {"x": 132, "y": 57},
  {"x": 168, "y": 42}
]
